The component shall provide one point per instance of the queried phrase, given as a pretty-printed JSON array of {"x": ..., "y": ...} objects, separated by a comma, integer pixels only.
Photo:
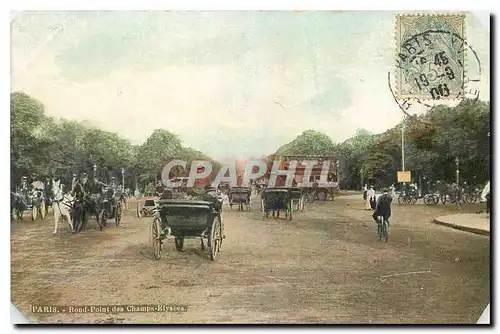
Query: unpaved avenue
[{"x": 323, "y": 267}]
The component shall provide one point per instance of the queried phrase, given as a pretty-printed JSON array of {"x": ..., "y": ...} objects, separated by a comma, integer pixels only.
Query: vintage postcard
[{"x": 218, "y": 167}]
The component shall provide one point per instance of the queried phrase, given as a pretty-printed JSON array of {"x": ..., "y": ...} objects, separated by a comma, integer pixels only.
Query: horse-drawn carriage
[
  {"x": 110, "y": 206},
  {"x": 147, "y": 207},
  {"x": 275, "y": 200},
  {"x": 183, "y": 219},
  {"x": 103, "y": 205},
  {"x": 32, "y": 200},
  {"x": 240, "y": 196}
]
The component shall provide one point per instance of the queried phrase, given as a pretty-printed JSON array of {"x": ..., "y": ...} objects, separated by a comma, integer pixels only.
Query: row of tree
[
  {"x": 42, "y": 146},
  {"x": 433, "y": 141}
]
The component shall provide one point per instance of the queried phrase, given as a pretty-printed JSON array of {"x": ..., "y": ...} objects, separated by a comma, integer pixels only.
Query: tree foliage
[
  {"x": 42, "y": 146},
  {"x": 310, "y": 142},
  {"x": 432, "y": 142}
]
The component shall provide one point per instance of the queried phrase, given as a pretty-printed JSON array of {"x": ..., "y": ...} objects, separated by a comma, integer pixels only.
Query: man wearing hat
[{"x": 383, "y": 207}]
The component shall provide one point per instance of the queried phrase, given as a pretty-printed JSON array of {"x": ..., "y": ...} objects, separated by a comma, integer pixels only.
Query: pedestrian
[
  {"x": 369, "y": 194},
  {"x": 373, "y": 199},
  {"x": 393, "y": 191}
]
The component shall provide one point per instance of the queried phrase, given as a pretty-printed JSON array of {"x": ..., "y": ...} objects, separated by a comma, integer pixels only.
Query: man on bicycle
[{"x": 383, "y": 207}]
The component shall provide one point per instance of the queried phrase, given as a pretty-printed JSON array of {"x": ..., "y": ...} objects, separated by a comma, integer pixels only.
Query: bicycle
[
  {"x": 431, "y": 199},
  {"x": 382, "y": 228}
]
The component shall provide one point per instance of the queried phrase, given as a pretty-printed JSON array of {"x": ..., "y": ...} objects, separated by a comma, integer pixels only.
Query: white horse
[{"x": 61, "y": 205}]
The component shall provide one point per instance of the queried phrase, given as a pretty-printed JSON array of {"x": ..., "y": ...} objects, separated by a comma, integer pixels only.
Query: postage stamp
[{"x": 430, "y": 56}]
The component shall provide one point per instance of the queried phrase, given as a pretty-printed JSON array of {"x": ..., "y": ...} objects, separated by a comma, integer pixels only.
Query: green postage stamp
[{"x": 430, "y": 56}]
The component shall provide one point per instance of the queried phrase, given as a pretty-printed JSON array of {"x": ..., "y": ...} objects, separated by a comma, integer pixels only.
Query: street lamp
[
  {"x": 337, "y": 170},
  {"x": 457, "y": 163},
  {"x": 123, "y": 179},
  {"x": 95, "y": 171}
]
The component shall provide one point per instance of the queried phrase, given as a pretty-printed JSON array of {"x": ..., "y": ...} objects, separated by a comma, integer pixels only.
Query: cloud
[{"x": 229, "y": 83}]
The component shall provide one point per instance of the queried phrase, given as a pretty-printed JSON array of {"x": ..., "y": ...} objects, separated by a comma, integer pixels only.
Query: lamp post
[
  {"x": 123, "y": 179},
  {"x": 337, "y": 170},
  {"x": 95, "y": 171},
  {"x": 457, "y": 163}
]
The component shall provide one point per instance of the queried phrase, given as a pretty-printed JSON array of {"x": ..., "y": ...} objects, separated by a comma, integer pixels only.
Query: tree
[
  {"x": 310, "y": 142},
  {"x": 43, "y": 146}
]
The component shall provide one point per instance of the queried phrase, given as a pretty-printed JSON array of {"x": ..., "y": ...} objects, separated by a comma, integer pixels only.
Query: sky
[{"x": 229, "y": 83}]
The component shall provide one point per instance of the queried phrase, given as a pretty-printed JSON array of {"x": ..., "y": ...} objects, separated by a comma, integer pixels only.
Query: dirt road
[{"x": 325, "y": 266}]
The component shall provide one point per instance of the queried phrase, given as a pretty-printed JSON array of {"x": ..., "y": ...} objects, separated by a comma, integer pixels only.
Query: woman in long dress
[{"x": 369, "y": 194}]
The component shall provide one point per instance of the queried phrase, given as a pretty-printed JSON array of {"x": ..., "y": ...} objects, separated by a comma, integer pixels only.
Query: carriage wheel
[
  {"x": 179, "y": 244},
  {"x": 34, "y": 212},
  {"x": 118, "y": 214},
  {"x": 156, "y": 238},
  {"x": 138, "y": 212},
  {"x": 215, "y": 238}
]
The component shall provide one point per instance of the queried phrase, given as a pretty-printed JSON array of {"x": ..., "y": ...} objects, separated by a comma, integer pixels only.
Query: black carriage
[
  {"x": 275, "y": 200},
  {"x": 240, "y": 196},
  {"x": 106, "y": 207},
  {"x": 183, "y": 219}
]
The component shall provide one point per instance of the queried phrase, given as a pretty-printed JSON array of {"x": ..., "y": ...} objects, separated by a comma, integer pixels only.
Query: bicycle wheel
[
  {"x": 413, "y": 200},
  {"x": 443, "y": 198},
  {"x": 470, "y": 198},
  {"x": 435, "y": 199},
  {"x": 428, "y": 200},
  {"x": 385, "y": 232}
]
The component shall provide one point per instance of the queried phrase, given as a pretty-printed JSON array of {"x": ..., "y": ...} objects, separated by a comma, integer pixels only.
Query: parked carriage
[
  {"x": 184, "y": 219},
  {"x": 33, "y": 201},
  {"x": 147, "y": 207},
  {"x": 275, "y": 200},
  {"x": 240, "y": 196}
]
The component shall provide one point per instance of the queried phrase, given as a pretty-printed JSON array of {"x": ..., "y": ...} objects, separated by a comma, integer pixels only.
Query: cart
[
  {"x": 184, "y": 219},
  {"x": 33, "y": 201},
  {"x": 106, "y": 207},
  {"x": 146, "y": 208},
  {"x": 240, "y": 196},
  {"x": 276, "y": 200}
]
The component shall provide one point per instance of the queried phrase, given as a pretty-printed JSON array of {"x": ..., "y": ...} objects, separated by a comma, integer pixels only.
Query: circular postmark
[{"x": 431, "y": 67}]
